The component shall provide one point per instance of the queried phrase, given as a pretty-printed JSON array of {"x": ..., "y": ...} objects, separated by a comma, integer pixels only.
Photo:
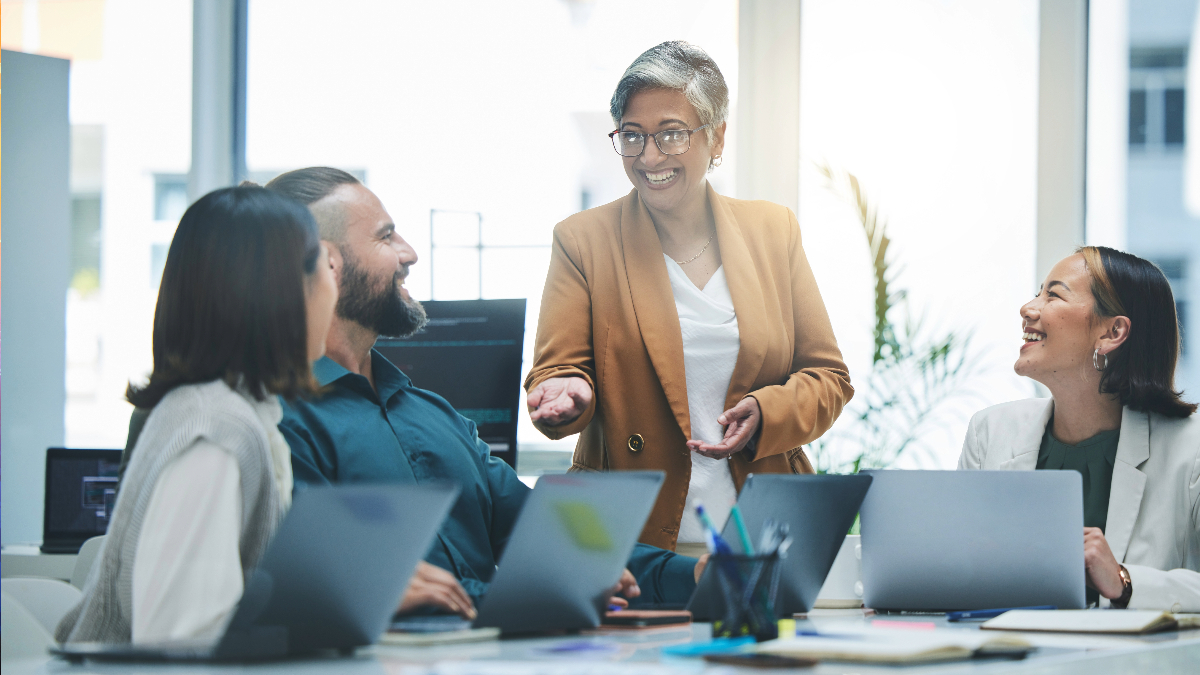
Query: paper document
[
  {"x": 1127, "y": 621},
  {"x": 402, "y": 639},
  {"x": 894, "y": 647}
]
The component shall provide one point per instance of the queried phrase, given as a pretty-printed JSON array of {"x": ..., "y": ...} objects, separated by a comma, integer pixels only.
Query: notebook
[{"x": 1125, "y": 621}]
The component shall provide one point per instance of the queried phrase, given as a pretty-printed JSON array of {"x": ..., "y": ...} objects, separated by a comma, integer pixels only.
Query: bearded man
[{"x": 370, "y": 424}]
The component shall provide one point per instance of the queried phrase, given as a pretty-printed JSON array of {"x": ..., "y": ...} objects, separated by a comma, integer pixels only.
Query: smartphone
[{"x": 640, "y": 618}]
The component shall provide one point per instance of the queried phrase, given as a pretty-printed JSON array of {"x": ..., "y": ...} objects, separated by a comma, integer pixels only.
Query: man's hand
[
  {"x": 626, "y": 586},
  {"x": 1103, "y": 570},
  {"x": 700, "y": 565},
  {"x": 559, "y": 400},
  {"x": 433, "y": 586},
  {"x": 741, "y": 422}
]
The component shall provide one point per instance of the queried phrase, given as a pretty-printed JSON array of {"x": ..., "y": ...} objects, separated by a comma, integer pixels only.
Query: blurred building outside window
[
  {"x": 1160, "y": 225},
  {"x": 130, "y": 109}
]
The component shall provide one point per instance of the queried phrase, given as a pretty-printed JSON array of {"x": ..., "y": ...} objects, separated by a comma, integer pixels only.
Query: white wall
[{"x": 36, "y": 217}]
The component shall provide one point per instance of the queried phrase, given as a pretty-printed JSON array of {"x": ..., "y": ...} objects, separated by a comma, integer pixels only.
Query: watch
[{"x": 1122, "y": 601}]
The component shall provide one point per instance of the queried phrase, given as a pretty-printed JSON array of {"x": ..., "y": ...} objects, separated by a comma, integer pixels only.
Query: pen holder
[{"x": 746, "y": 606}]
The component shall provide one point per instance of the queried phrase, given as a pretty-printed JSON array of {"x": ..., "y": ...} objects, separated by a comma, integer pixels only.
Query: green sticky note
[{"x": 585, "y": 525}]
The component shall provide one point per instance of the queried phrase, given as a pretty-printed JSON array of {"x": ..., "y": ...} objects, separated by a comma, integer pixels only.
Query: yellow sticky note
[{"x": 585, "y": 525}]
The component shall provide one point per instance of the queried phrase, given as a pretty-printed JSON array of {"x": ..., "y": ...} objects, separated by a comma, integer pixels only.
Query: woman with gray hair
[{"x": 682, "y": 330}]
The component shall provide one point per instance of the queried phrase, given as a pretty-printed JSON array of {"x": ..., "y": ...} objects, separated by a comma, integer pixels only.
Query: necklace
[{"x": 691, "y": 259}]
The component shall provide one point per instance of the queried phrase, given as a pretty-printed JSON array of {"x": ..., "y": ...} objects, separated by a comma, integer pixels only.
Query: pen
[
  {"x": 715, "y": 543},
  {"x": 988, "y": 613},
  {"x": 743, "y": 535}
]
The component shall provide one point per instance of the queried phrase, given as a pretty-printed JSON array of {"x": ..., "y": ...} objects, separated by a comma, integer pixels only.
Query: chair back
[
  {"x": 21, "y": 635},
  {"x": 46, "y": 600},
  {"x": 84, "y": 561}
]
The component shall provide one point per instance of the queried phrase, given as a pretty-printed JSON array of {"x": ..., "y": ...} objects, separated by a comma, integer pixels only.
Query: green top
[{"x": 1094, "y": 459}]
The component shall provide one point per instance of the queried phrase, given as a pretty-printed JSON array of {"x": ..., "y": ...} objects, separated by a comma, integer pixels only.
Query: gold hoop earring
[
  {"x": 1096, "y": 360},
  {"x": 715, "y": 161}
]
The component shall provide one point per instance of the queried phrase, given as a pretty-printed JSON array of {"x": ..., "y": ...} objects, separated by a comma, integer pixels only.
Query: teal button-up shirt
[{"x": 352, "y": 433}]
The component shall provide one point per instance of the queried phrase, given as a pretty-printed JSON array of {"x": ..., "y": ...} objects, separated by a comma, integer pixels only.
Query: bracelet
[{"x": 1122, "y": 601}]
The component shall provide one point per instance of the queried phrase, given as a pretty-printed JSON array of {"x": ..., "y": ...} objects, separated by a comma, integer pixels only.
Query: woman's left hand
[
  {"x": 741, "y": 422},
  {"x": 1103, "y": 570}
]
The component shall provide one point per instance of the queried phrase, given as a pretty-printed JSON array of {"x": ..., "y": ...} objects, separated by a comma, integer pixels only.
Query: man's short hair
[{"x": 309, "y": 186}]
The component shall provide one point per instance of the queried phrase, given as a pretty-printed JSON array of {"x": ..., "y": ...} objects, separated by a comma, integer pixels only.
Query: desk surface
[{"x": 639, "y": 653}]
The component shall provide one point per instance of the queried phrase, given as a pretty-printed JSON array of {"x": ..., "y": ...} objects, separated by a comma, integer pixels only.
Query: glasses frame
[{"x": 612, "y": 137}]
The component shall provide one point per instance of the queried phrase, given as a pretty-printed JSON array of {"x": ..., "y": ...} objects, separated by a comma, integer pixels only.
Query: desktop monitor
[
  {"x": 81, "y": 490},
  {"x": 470, "y": 354}
]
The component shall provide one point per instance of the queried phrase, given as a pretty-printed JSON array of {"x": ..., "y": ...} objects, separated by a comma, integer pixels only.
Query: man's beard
[{"x": 383, "y": 310}]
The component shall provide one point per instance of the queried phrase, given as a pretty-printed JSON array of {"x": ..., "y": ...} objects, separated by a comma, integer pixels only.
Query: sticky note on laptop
[{"x": 584, "y": 525}]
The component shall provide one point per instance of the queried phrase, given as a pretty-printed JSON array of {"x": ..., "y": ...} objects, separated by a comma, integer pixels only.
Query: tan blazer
[
  {"x": 1153, "y": 524},
  {"x": 608, "y": 315}
]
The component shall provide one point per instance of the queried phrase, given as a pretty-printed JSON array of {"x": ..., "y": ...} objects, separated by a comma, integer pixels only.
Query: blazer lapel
[
  {"x": 746, "y": 290},
  {"x": 654, "y": 304},
  {"x": 1128, "y": 482},
  {"x": 1028, "y": 441}
]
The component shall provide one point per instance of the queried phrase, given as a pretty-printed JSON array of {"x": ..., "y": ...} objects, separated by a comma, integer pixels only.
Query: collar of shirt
[{"x": 388, "y": 378}]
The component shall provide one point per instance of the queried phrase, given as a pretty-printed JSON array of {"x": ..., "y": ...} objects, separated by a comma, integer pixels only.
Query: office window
[
  {"x": 1175, "y": 269},
  {"x": 1173, "y": 116},
  {"x": 1157, "y": 97},
  {"x": 85, "y": 243},
  {"x": 875, "y": 102},
  {"x": 130, "y": 116},
  {"x": 1137, "y": 117},
  {"x": 158, "y": 261},
  {"x": 1172, "y": 268},
  {"x": 170, "y": 196},
  {"x": 1181, "y": 314}
]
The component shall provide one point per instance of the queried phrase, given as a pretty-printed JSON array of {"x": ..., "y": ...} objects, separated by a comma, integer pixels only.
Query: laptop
[
  {"x": 962, "y": 540},
  {"x": 819, "y": 511},
  {"x": 330, "y": 579},
  {"x": 81, "y": 488},
  {"x": 568, "y": 548}
]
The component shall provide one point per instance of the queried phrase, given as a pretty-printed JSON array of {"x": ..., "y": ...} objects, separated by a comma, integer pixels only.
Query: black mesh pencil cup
[{"x": 748, "y": 589}]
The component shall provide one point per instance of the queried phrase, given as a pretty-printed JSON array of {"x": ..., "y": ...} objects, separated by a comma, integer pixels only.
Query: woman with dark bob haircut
[
  {"x": 1102, "y": 335},
  {"x": 245, "y": 302}
]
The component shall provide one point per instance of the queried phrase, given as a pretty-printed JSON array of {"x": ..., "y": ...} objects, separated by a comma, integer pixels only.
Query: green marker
[{"x": 734, "y": 513}]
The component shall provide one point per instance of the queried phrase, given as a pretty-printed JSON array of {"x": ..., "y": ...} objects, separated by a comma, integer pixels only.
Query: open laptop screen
[{"x": 81, "y": 489}]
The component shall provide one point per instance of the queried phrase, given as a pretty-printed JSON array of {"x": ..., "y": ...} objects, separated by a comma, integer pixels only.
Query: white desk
[
  {"x": 29, "y": 561},
  {"x": 636, "y": 653}
]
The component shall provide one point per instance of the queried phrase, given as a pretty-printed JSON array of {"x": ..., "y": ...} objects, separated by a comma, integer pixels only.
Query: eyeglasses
[{"x": 669, "y": 142}]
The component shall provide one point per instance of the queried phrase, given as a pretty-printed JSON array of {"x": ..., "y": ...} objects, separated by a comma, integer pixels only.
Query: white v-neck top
[{"x": 709, "y": 328}]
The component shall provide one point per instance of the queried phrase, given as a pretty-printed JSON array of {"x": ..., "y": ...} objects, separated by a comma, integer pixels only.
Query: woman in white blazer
[{"x": 1103, "y": 336}]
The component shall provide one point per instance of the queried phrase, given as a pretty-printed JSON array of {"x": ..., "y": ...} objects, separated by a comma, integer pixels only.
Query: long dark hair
[
  {"x": 231, "y": 302},
  {"x": 1142, "y": 370}
]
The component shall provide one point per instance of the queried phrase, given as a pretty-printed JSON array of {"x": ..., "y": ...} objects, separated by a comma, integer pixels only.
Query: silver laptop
[
  {"x": 330, "y": 579},
  {"x": 819, "y": 510},
  {"x": 963, "y": 540},
  {"x": 568, "y": 548}
]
